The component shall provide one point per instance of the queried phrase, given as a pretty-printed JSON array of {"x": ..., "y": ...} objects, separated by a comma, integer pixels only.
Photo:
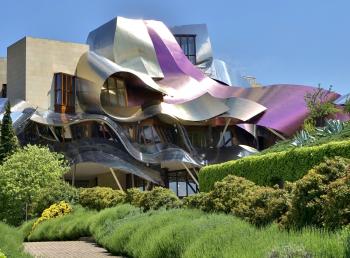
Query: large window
[
  {"x": 188, "y": 45},
  {"x": 114, "y": 93},
  {"x": 64, "y": 93}
]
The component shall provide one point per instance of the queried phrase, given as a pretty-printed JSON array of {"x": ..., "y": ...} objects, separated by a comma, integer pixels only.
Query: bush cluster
[
  {"x": 321, "y": 198},
  {"x": 55, "y": 210},
  {"x": 242, "y": 198},
  {"x": 22, "y": 178},
  {"x": 272, "y": 168},
  {"x": 99, "y": 198}
]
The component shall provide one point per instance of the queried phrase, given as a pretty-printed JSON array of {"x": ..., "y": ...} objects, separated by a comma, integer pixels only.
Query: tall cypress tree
[{"x": 8, "y": 139}]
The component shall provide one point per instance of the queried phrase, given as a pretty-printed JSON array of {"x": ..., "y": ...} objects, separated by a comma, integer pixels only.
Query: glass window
[
  {"x": 188, "y": 45},
  {"x": 114, "y": 92},
  {"x": 64, "y": 93}
]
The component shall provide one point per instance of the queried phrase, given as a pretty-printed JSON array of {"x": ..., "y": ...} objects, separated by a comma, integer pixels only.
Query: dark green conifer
[{"x": 8, "y": 139}]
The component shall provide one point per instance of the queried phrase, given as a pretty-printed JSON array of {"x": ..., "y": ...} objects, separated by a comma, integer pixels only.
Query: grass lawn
[
  {"x": 11, "y": 242},
  {"x": 124, "y": 230}
]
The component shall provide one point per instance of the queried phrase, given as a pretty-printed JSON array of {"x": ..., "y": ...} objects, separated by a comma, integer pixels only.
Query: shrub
[
  {"x": 266, "y": 169},
  {"x": 315, "y": 197},
  {"x": 320, "y": 105},
  {"x": 199, "y": 201},
  {"x": 123, "y": 230},
  {"x": 11, "y": 242},
  {"x": 53, "y": 194},
  {"x": 336, "y": 206},
  {"x": 22, "y": 177},
  {"x": 2, "y": 255},
  {"x": 100, "y": 197},
  {"x": 71, "y": 226},
  {"x": 241, "y": 197},
  {"x": 159, "y": 197},
  {"x": 347, "y": 106},
  {"x": 134, "y": 196},
  {"x": 55, "y": 210}
]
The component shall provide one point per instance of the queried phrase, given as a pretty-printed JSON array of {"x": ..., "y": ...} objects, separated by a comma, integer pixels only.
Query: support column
[{"x": 116, "y": 179}]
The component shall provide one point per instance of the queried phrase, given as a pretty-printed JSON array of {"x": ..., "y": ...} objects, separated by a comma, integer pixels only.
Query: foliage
[
  {"x": 69, "y": 227},
  {"x": 199, "y": 201},
  {"x": 159, "y": 197},
  {"x": 320, "y": 198},
  {"x": 100, "y": 197},
  {"x": 332, "y": 127},
  {"x": 134, "y": 196},
  {"x": 302, "y": 138},
  {"x": 23, "y": 176},
  {"x": 8, "y": 139},
  {"x": 61, "y": 191},
  {"x": 123, "y": 230},
  {"x": 55, "y": 210},
  {"x": 320, "y": 105},
  {"x": 319, "y": 140},
  {"x": 242, "y": 198},
  {"x": 2, "y": 255},
  {"x": 270, "y": 168},
  {"x": 290, "y": 252},
  {"x": 347, "y": 106},
  {"x": 11, "y": 242}
]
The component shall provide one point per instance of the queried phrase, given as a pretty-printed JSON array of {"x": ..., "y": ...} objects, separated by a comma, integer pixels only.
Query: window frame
[{"x": 180, "y": 38}]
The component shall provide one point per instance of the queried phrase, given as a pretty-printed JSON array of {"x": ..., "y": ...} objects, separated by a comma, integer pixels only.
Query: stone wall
[{"x": 32, "y": 63}]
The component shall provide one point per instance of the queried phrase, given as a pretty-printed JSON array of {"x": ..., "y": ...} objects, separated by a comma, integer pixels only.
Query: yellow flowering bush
[{"x": 55, "y": 210}]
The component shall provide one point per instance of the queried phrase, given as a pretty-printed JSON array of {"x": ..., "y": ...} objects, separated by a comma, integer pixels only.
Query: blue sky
[{"x": 278, "y": 41}]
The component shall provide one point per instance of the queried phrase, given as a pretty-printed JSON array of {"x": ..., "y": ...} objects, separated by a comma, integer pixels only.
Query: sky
[{"x": 278, "y": 41}]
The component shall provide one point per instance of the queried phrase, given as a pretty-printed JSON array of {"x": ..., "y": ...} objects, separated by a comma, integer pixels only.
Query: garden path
[{"x": 66, "y": 249}]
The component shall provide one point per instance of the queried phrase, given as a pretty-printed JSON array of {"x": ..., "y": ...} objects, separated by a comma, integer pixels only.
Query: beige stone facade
[
  {"x": 3, "y": 70},
  {"x": 32, "y": 63}
]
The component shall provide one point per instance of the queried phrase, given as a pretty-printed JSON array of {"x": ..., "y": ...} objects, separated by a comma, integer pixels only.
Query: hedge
[{"x": 273, "y": 168}]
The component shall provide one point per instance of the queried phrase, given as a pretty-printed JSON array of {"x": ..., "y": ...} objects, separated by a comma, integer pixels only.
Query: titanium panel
[
  {"x": 127, "y": 43},
  {"x": 144, "y": 153},
  {"x": 243, "y": 109},
  {"x": 342, "y": 99}
]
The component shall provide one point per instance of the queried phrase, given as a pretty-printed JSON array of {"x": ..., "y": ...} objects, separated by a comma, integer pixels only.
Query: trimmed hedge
[{"x": 273, "y": 168}]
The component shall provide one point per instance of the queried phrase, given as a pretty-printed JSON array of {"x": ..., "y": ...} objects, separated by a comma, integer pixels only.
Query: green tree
[
  {"x": 347, "y": 106},
  {"x": 8, "y": 140},
  {"x": 320, "y": 107},
  {"x": 23, "y": 176}
]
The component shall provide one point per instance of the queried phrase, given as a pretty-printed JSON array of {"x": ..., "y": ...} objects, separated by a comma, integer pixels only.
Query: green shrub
[
  {"x": 22, "y": 177},
  {"x": 159, "y": 197},
  {"x": 49, "y": 195},
  {"x": 124, "y": 230},
  {"x": 2, "y": 255},
  {"x": 11, "y": 242},
  {"x": 337, "y": 203},
  {"x": 100, "y": 197},
  {"x": 199, "y": 201},
  {"x": 270, "y": 168},
  {"x": 241, "y": 197},
  {"x": 68, "y": 227},
  {"x": 321, "y": 196},
  {"x": 134, "y": 196}
]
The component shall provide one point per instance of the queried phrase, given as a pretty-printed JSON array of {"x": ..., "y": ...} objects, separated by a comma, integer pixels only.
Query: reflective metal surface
[
  {"x": 104, "y": 152},
  {"x": 342, "y": 99},
  {"x": 126, "y": 42},
  {"x": 144, "y": 153}
]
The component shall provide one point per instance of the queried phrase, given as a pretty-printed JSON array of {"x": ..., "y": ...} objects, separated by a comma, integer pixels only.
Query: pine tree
[{"x": 8, "y": 139}]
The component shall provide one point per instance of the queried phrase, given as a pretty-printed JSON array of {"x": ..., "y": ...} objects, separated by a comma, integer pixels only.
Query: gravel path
[{"x": 66, "y": 249}]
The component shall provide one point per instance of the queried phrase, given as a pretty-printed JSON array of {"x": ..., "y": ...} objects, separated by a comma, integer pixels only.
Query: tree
[
  {"x": 320, "y": 107},
  {"x": 8, "y": 139},
  {"x": 23, "y": 176},
  {"x": 347, "y": 106}
]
